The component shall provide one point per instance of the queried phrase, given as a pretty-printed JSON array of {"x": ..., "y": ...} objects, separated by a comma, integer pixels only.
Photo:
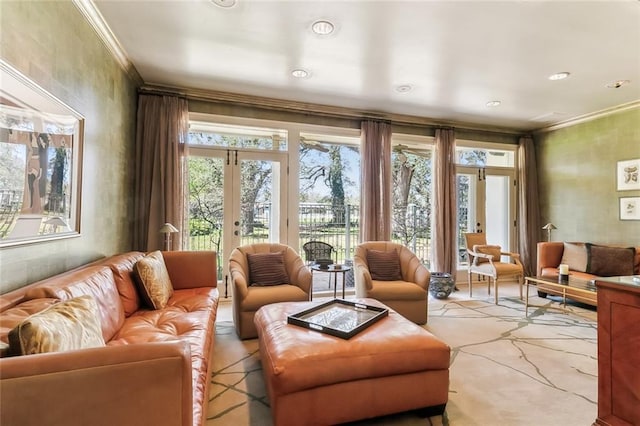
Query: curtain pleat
[
  {"x": 375, "y": 181},
  {"x": 160, "y": 156},
  {"x": 528, "y": 205},
  {"x": 444, "y": 194}
]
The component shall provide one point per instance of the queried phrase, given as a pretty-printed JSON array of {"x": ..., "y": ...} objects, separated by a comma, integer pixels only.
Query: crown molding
[
  {"x": 589, "y": 117},
  {"x": 316, "y": 109},
  {"x": 100, "y": 26}
]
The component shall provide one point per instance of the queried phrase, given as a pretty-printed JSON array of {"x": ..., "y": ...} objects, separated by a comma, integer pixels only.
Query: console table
[{"x": 618, "y": 351}]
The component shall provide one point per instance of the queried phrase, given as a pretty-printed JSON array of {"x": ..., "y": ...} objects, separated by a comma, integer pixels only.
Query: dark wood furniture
[{"x": 618, "y": 351}]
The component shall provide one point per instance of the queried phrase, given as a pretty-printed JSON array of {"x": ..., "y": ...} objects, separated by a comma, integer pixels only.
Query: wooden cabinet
[{"x": 618, "y": 351}]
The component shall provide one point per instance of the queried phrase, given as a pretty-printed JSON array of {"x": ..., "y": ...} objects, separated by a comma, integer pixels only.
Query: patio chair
[{"x": 319, "y": 252}]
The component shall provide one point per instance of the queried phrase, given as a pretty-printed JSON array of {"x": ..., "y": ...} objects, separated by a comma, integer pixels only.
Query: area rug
[{"x": 506, "y": 369}]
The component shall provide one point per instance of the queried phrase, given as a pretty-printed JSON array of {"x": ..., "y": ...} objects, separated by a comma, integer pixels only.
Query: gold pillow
[
  {"x": 486, "y": 249},
  {"x": 65, "y": 326},
  {"x": 153, "y": 280}
]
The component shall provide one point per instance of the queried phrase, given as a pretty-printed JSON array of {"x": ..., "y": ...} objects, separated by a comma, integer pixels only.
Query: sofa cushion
[
  {"x": 69, "y": 325},
  {"x": 267, "y": 269},
  {"x": 122, "y": 266},
  {"x": 96, "y": 281},
  {"x": 575, "y": 255},
  {"x": 610, "y": 261},
  {"x": 488, "y": 249},
  {"x": 384, "y": 265},
  {"x": 153, "y": 279}
]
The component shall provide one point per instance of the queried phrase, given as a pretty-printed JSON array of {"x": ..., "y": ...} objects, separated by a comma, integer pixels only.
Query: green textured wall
[
  {"x": 577, "y": 179},
  {"x": 53, "y": 44}
]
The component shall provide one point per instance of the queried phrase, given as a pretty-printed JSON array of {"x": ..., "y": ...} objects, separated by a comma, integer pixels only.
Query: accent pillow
[
  {"x": 384, "y": 265},
  {"x": 610, "y": 261},
  {"x": 153, "y": 280},
  {"x": 487, "y": 249},
  {"x": 267, "y": 269},
  {"x": 65, "y": 326},
  {"x": 575, "y": 255}
]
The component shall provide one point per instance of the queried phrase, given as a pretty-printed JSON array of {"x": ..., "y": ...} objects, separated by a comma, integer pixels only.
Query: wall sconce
[
  {"x": 548, "y": 227},
  {"x": 167, "y": 229}
]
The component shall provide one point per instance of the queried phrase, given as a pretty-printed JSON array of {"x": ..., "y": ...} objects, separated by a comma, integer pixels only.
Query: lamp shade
[
  {"x": 168, "y": 228},
  {"x": 549, "y": 226}
]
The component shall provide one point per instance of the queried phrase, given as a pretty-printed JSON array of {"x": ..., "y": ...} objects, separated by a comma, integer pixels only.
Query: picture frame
[
  {"x": 629, "y": 208},
  {"x": 41, "y": 142},
  {"x": 628, "y": 175}
]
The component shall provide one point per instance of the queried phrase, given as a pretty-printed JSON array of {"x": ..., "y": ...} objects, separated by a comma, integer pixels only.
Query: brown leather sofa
[
  {"x": 409, "y": 296},
  {"x": 156, "y": 364},
  {"x": 551, "y": 255}
]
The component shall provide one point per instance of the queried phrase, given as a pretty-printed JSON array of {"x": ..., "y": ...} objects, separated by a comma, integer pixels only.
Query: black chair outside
[{"x": 319, "y": 252}]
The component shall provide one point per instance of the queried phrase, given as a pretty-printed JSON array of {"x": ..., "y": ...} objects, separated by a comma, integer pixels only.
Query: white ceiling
[{"x": 456, "y": 55}]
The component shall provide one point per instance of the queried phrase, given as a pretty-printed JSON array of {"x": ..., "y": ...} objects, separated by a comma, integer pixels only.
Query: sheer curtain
[
  {"x": 445, "y": 214},
  {"x": 375, "y": 181},
  {"x": 528, "y": 205},
  {"x": 160, "y": 169}
]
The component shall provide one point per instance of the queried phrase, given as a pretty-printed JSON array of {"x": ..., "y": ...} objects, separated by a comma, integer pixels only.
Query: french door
[
  {"x": 236, "y": 197},
  {"x": 486, "y": 203}
]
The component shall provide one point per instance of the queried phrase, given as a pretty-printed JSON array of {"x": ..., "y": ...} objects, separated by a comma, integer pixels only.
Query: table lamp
[
  {"x": 548, "y": 227},
  {"x": 167, "y": 229}
]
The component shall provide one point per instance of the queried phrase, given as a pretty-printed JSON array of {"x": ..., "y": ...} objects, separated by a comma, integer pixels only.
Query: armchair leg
[
  {"x": 469, "y": 283},
  {"x": 495, "y": 289}
]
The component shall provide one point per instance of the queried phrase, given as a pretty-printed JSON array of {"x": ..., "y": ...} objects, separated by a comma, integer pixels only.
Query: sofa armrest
[
  {"x": 191, "y": 269},
  {"x": 115, "y": 385},
  {"x": 549, "y": 255}
]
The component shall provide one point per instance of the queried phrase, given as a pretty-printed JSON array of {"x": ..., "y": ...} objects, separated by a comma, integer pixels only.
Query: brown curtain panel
[
  {"x": 161, "y": 136},
  {"x": 375, "y": 181},
  {"x": 528, "y": 205},
  {"x": 444, "y": 194}
]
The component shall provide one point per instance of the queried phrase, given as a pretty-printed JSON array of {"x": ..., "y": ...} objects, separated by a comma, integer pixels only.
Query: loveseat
[
  {"x": 586, "y": 261},
  {"x": 154, "y": 367}
]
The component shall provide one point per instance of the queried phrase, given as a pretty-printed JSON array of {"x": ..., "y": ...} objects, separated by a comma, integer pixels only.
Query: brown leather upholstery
[
  {"x": 392, "y": 366},
  {"x": 161, "y": 357},
  {"x": 492, "y": 268},
  {"x": 248, "y": 299},
  {"x": 550, "y": 256},
  {"x": 408, "y": 297}
]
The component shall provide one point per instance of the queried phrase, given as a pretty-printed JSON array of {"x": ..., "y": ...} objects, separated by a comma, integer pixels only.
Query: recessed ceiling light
[
  {"x": 224, "y": 3},
  {"x": 404, "y": 88},
  {"x": 559, "y": 75},
  {"x": 492, "y": 104},
  {"x": 300, "y": 73},
  {"x": 322, "y": 27},
  {"x": 617, "y": 84}
]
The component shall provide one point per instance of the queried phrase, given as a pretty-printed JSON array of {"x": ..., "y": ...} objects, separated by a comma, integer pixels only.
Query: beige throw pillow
[
  {"x": 69, "y": 325},
  {"x": 575, "y": 255},
  {"x": 153, "y": 280},
  {"x": 488, "y": 249}
]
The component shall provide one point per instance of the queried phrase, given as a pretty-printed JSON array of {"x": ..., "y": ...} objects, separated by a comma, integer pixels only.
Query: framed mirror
[{"x": 40, "y": 162}]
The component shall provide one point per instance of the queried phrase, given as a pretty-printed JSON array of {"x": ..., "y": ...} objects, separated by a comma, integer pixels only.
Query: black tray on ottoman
[{"x": 338, "y": 317}]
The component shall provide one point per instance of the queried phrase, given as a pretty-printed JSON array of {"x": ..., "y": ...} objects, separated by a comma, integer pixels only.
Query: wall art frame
[
  {"x": 41, "y": 140},
  {"x": 629, "y": 208},
  {"x": 628, "y": 175}
]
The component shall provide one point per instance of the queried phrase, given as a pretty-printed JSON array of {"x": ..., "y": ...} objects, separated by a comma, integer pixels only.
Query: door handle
[
  {"x": 236, "y": 232},
  {"x": 236, "y": 223}
]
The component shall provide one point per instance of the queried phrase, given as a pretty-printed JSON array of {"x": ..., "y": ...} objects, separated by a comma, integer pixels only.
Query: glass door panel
[{"x": 235, "y": 198}]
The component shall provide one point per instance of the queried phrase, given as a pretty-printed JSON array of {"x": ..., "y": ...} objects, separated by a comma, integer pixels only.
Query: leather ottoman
[{"x": 313, "y": 378}]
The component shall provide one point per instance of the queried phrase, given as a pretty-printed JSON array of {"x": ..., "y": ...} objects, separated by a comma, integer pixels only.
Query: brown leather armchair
[
  {"x": 485, "y": 260},
  {"x": 407, "y": 296},
  {"x": 247, "y": 298}
]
